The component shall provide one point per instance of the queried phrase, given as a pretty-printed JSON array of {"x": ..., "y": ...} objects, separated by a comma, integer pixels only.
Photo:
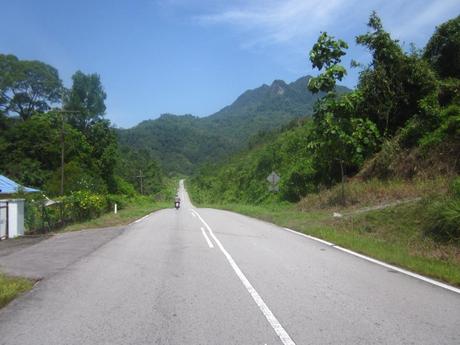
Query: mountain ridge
[{"x": 181, "y": 142}]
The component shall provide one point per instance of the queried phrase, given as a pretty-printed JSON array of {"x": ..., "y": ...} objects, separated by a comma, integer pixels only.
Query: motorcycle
[{"x": 177, "y": 205}]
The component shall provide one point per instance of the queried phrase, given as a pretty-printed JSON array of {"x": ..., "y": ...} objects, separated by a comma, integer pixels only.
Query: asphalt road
[{"x": 203, "y": 276}]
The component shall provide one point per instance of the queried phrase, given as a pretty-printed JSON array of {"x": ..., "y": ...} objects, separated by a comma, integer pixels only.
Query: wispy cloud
[
  {"x": 279, "y": 21},
  {"x": 274, "y": 21}
]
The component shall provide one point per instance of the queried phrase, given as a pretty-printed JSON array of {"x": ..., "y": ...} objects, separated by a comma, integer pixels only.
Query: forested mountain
[
  {"x": 177, "y": 142},
  {"x": 402, "y": 121},
  {"x": 183, "y": 142}
]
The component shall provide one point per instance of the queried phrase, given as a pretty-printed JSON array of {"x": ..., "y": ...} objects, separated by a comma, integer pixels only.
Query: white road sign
[{"x": 273, "y": 178}]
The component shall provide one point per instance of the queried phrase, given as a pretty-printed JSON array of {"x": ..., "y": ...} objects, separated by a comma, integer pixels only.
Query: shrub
[
  {"x": 443, "y": 216},
  {"x": 121, "y": 200},
  {"x": 455, "y": 187},
  {"x": 124, "y": 187},
  {"x": 83, "y": 204},
  {"x": 449, "y": 128},
  {"x": 443, "y": 220}
]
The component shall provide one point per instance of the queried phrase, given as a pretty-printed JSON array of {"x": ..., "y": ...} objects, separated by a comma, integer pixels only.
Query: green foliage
[
  {"x": 340, "y": 140},
  {"x": 394, "y": 83},
  {"x": 297, "y": 181},
  {"x": 30, "y": 146},
  {"x": 243, "y": 177},
  {"x": 443, "y": 220},
  {"x": 449, "y": 91},
  {"x": 27, "y": 87},
  {"x": 443, "y": 49},
  {"x": 133, "y": 163},
  {"x": 449, "y": 128},
  {"x": 76, "y": 177},
  {"x": 455, "y": 188},
  {"x": 30, "y": 149},
  {"x": 182, "y": 143},
  {"x": 86, "y": 98},
  {"x": 398, "y": 105},
  {"x": 123, "y": 187},
  {"x": 122, "y": 200},
  {"x": 327, "y": 52},
  {"x": 83, "y": 205}
]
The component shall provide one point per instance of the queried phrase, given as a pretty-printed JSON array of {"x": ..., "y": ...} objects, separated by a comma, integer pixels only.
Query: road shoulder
[{"x": 48, "y": 257}]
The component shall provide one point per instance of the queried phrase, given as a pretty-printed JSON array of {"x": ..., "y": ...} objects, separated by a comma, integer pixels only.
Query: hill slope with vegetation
[
  {"x": 402, "y": 110},
  {"x": 181, "y": 143}
]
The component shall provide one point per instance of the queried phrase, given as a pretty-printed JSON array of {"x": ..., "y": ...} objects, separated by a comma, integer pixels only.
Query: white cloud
[
  {"x": 274, "y": 21},
  {"x": 280, "y": 21}
]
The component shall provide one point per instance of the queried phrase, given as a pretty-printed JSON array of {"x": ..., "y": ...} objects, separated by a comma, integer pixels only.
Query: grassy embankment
[
  {"x": 135, "y": 210},
  {"x": 394, "y": 234},
  {"x": 11, "y": 287}
]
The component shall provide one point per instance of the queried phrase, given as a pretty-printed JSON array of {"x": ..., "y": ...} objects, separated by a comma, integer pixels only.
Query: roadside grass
[
  {"x": 131, "y": 212},
  {"x": 393, "y": 235},
  {"x": 360, "y": 194},
  {"x": 11, "y": 287}
]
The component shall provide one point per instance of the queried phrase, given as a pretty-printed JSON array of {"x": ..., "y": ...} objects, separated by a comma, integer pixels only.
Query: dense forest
[
  {"x": 401, "y": 121},
  {"x": 41, "y": 120},
  {"x": 183, "y": 143}
]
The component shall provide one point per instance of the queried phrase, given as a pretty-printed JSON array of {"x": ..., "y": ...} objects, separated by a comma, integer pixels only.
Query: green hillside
[
  {"x": 370, "y": 133},
  {"x": 181, "y": 143}
]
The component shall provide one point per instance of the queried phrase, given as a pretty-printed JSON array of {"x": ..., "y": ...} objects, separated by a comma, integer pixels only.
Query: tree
[
  {"x": 394, "y": 83},
  {"x": 443, "y": 49},
  {"x": 327, "y": 52},
  {"x": 30, "y": 150},
  {"x": 27, "y": 87},
  {"x": 104, "y": 151},
  {"x": 340, "y": 139},
  {"x": 86, "y": 97}
]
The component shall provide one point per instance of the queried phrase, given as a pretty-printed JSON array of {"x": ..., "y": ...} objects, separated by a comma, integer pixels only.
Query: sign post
[{"x": 273, "y": 179}]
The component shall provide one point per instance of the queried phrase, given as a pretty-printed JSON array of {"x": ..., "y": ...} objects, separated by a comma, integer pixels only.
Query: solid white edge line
[
  {"x": 140, "y": 219},
  {"x": 207, "y": 238},
  {"x": 279, "y": 330},
  {"x": 378, "y": 262},
  {"x": 310, "y": 237}
]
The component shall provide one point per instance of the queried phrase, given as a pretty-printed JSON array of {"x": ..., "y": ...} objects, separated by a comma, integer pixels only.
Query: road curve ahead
[{"x": 204, "y": 276}]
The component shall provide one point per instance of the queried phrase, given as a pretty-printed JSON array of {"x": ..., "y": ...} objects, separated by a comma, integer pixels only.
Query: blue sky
[{"x": 186, "y": 56}]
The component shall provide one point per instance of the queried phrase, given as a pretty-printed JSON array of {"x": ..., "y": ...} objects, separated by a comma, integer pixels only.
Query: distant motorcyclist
[{"x": 177, "y": 202}]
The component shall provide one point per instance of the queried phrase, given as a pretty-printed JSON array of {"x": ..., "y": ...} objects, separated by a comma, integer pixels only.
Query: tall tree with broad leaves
[
  {"x": 443, "y": 49},
  {"x": 86, "y": 98},
  {"x": 339, "y": 140},
  {"x": 27, "y": 87},
  {"x": 327, "y": 53},
  {"x": 394, "y": 83}
]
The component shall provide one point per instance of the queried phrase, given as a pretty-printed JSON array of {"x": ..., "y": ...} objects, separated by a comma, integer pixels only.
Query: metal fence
[
  {"x": 3, "y": 220},
  {"x": 40, "y": 217}
]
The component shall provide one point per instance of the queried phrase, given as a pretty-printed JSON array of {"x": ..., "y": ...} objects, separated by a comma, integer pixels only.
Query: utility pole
[
  {"x": 62, "y": 139},
  {"x": 62, "y": 154},
  {"x": 141, "y": 178}
]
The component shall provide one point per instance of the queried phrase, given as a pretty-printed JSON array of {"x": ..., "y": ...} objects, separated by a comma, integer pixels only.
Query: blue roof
[{"x": 8, "y": 186}]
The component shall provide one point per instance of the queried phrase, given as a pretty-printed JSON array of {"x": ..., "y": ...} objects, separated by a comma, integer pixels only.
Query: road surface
[{"x": 204, "y": 276}]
